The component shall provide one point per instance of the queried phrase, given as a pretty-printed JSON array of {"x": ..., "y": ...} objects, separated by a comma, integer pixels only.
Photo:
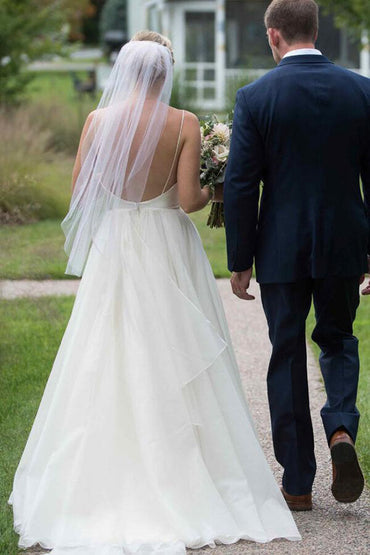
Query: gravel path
[
  {"x": 331, "y": 528},
  {"x": 26, "y": 288}
]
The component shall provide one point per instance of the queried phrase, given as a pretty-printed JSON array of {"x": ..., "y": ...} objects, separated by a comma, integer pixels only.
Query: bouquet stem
[{"x": 216, "y": 216}]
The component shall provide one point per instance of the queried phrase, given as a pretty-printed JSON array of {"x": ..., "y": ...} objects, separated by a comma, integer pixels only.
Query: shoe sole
[
  {"x": 349, "y": 481},
  {"x": 296, "y": 506},
  {"x": 300, "y": 508}
]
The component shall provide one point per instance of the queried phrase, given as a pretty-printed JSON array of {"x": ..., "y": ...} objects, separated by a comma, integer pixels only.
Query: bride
[{"x": 143, "y": 442}]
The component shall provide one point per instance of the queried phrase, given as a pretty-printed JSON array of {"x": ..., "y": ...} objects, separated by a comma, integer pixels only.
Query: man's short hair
[{"x": 297, "y": 20}]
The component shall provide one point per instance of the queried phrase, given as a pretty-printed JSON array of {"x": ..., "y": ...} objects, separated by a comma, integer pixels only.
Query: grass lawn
[
  {"x": 361, "y": 330},
  {"x": 35, "y": 251},
  {"x": 29, "y": 337},
  {"x": 213, "y": 242},
  {"x": 32, "y": 251},
  {"x": 58, "y": 85}
]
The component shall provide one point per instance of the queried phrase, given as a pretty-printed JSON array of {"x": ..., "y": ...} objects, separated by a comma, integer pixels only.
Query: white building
[{"x": 216, "y": 41}]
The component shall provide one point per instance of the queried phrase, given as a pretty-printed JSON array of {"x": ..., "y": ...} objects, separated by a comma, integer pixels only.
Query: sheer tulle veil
[{"x": 120, "y": 143}]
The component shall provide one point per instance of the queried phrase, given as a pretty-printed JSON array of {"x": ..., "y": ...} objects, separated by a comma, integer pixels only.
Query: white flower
[
  {"x": 222, "y": 131},
  {"x": 221, "y": 153}
]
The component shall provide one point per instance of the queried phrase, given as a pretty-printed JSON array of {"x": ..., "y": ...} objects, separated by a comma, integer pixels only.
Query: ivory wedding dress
[{"x": 142, "y": 443}]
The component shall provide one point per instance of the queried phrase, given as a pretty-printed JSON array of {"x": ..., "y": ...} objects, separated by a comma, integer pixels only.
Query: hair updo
[{"x": 152, "y": 36}]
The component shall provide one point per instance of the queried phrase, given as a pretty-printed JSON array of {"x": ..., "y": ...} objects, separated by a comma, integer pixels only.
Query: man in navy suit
[{"x": 303, "y": 130}]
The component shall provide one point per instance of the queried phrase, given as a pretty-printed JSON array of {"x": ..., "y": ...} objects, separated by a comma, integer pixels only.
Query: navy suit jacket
[{"x": 303, "y": 129}]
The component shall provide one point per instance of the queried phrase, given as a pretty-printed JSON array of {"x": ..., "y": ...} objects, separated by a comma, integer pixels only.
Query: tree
[
  {"x": 83, "y": 16},
  {"x": 353, "y": 14},
  {"x": 29, "y": 29}
]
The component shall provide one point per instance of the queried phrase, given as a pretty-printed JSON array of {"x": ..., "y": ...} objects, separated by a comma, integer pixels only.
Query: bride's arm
[
  {"x": 85, "y": 141},
  {"x": 191, "y": 196}
]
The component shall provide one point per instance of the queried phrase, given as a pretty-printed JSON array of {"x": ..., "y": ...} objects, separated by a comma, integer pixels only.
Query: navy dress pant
[{"x": 286, "y": 306}]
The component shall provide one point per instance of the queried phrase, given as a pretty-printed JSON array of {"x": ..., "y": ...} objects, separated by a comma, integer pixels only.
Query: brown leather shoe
[
  {"x": 298, "y": 502},
  {"x": 348, "y": 481}
]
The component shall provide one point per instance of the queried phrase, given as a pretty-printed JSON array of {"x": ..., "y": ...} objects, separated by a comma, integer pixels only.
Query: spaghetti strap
[{"x": 176, "y": 152}]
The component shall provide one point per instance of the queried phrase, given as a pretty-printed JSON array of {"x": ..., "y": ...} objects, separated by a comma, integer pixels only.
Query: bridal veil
[{"x": 120, "y": 140}]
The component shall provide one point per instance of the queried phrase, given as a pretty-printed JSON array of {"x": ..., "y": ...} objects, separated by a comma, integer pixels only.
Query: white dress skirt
[{"x": 143, "y": 442}]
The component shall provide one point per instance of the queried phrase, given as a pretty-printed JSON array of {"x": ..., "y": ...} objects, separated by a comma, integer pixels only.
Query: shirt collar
[{"x": 303, "y": 51}]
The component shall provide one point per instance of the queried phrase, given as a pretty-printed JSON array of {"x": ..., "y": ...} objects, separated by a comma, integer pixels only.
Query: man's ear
[{"x": 274, "y": 37}]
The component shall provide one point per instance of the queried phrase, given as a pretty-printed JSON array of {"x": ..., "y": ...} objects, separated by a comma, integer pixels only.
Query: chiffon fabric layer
[{"x": 143, "y": 442}]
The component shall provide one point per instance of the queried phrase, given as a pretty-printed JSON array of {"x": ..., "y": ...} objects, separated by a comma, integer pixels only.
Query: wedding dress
[{"x": 143, "y": 442}]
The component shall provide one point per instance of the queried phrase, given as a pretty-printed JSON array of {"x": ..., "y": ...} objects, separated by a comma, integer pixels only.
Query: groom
[{"x": 304, "y": 131}]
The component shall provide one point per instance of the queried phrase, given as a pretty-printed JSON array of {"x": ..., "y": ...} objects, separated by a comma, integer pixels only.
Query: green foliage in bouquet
[{"x": 214, "y": 154}]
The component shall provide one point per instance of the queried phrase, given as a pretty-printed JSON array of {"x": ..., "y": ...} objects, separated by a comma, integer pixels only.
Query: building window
[
  {"x": 246, "y": 41},
  {"x": 200, "y": 36},
  {"x": 154, "y": 22}
]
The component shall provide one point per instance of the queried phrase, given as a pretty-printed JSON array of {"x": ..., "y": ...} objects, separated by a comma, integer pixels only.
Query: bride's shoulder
[
  {"x": 189, "y": 117},
  {"x": 190, "y": 124},
  {"x": 95, "y": 117},
  {"x": 100, "y": 113},
  {"x": 91, "y": 116}
]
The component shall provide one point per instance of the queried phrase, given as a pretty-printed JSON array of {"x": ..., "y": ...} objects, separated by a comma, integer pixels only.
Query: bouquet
[{"x": 214, "y": 154}]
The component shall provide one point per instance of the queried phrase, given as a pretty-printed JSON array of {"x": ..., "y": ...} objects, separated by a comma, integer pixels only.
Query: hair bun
[{"x": 153, "y": 36}]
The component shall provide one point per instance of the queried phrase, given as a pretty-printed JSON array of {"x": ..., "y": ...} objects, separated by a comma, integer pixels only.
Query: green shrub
[
  {"x": 34, "y": 180},
  {"x": 233, "y": 84},
  {"x": 58, "y": 109},
  {"x": 182, "y": 97},
  {"x": 63, "y": 124},
  {"x": 176, "y": 92}
]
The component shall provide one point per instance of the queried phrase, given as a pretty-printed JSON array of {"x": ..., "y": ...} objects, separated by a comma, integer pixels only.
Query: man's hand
[
  {"x": 366, "y": 290},
  {"x": 240, "y": 283}
]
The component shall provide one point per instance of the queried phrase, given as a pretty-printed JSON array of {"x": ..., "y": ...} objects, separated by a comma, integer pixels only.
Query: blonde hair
[{"x": 155, "y": 37}]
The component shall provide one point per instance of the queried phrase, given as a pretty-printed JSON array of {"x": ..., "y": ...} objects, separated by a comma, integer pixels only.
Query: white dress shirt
[{"x": 303, "y": 51}]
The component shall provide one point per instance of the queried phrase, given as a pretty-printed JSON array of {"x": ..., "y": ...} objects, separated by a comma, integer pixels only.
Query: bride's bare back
[
  {"x": 163, "y": 171},
  {"x": 176, "y": 159}
]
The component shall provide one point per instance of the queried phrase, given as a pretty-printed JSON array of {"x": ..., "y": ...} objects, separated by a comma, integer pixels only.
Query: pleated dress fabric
[{"x": 143, "y": 442}]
